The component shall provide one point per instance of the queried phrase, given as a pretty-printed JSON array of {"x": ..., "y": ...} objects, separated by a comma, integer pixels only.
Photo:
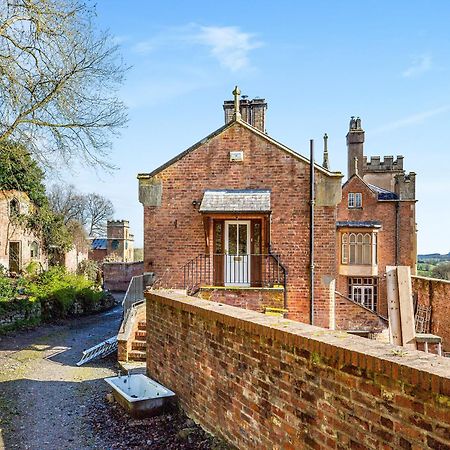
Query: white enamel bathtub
[{"x": 140, "y": 395}]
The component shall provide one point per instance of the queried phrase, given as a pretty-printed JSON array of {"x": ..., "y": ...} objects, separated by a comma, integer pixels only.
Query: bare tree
[
  {"x": 90, "y": 210},
  {"x": 68, "y": 202},
  {"x": 98, "y": 211},
  {"x": 58, "y": 81}
]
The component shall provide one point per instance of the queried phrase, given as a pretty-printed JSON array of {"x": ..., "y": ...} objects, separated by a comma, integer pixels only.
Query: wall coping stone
[
  {"x": 439, "y": 280},
  {"x": 413, "y": 367}
]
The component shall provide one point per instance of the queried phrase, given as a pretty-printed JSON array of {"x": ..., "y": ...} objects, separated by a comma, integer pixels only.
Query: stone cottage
[{"x": 18, "y": 246}]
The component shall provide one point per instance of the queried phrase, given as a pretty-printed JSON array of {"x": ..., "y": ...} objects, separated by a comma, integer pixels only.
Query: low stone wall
[
  {"x": 256, "y": 299},
  {"x": 117, "y": 275},
  {"x": 267, "y": 382},
  {"x": 434, "y": 292},
  {"x": 19, "y": 311}
]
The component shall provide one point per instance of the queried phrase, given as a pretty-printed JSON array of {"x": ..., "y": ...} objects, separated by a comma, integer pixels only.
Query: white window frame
[{"x": 354, "y": 200}]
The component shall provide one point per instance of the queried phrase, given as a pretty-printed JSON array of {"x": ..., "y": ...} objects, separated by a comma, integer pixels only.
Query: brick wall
[
  {"x": 254, "y": 299},
  {"x": 351, "y": 316},
  {"x": 436, "y": 293},
  {"x": 265, "y": 382},
  {"x": 174, "y": 232},
  {"x": 117, "y": 275}
]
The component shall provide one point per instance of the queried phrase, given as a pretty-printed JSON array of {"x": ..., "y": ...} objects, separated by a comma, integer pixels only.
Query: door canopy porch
[{"x": 236, "y": 201}]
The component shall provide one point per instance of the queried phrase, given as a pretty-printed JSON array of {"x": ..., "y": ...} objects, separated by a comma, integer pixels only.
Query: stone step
[
  {"x": 142, "y": 325},
  {"x": 138, "y": 345},
  {"x": 140, "y": 335},
  {"x": 137, "y": 355}
]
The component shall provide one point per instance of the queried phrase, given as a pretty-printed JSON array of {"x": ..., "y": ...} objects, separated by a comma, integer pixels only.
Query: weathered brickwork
[
  {"x": 174, "y": 232},
  {"x": 254, "y": 299},
  {"x": 263, "y": 382},
  {"x": 352, "y": 316},
  {"x": 391, "y": 230},
  {"x": 436, "y": 293},
  {"x": 117, "y": 275}
]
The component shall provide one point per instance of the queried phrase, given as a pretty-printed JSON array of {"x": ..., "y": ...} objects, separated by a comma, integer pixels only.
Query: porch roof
[
  {"x": 358, "y": 224},
  {"x": 236, "y": 200}
]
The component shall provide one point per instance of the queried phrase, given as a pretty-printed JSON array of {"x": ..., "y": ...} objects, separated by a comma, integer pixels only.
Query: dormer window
[
  {"x": 354, "y": 200},
  {"x": 14, "y": 207}
]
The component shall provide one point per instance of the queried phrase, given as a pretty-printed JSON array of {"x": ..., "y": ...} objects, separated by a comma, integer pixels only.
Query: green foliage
[
  {"x": 19, "y": 171},
  {"x": 8, "y": 289},
  {"x": 441, "y": 270},
  {"x": 57, "y": 290}
]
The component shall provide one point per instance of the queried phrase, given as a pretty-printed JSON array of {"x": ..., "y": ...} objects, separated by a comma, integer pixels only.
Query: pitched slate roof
[
  {"x": 358, "y": 224},
  {"x": 383, "y": 194},
  {"x": 99, "y": 244},
  {"x": 236, "y": 200}
]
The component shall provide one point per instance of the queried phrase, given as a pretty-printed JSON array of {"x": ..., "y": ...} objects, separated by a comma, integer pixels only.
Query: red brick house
[
  {"x": 229, "y": 219},
  {"x": 376, "y": 224}
]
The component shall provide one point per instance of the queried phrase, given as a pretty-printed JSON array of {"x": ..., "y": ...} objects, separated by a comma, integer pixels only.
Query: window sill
[{"x": 354, "y": 270}]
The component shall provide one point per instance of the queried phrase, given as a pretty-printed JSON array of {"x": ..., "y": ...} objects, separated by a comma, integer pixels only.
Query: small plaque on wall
[{"x": 237, "y": 156}]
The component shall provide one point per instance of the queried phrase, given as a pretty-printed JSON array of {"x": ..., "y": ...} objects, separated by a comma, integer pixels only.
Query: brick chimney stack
[
  {"x": 355, "y": 147},
  {"x": 252, "y": 111}
]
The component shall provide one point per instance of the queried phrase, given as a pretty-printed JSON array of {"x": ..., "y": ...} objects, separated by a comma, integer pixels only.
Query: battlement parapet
[{"x": 387, "y": 164}]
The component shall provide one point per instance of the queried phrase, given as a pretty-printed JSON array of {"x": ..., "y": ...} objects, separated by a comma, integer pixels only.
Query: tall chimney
[
  {"x": 355, "y": 147},
  {"x": 252, "y": 111}
]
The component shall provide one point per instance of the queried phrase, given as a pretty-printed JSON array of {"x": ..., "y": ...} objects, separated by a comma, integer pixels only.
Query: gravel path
[{"x": 47, "y": 402}]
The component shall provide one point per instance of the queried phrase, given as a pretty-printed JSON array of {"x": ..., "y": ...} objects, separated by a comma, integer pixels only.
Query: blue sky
[{"x": 316, "y": 63}]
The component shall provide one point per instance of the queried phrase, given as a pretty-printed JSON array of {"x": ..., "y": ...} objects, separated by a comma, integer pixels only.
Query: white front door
[{"x": 237, "y": 253}]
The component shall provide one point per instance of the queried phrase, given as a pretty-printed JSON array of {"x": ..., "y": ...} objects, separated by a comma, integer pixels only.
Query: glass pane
[
  {"x": 218, "y": 230},
  {"x": 232, "y": 239},
  {"x": 243, "y": 249}
]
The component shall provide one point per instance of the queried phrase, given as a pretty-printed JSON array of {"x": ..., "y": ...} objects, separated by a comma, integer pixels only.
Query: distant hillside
[{"x": 433, "y": 257}]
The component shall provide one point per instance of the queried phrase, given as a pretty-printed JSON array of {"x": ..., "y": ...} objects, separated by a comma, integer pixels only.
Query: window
[
  {"x": 34, "y": 250},
  {"x": 355, "y": 200},
  {"x": 364, "y": 291},
  {"x": 14, "y": 207},
  {"x": 358, "y": 248}
]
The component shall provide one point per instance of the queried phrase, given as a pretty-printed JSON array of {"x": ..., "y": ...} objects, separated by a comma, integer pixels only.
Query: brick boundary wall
[
  {"x": 117, "y": 275},
  {"x": 434, "y": 292},
  {"x": 256, "y": 299},
  {"x": 265, "y": 382}
]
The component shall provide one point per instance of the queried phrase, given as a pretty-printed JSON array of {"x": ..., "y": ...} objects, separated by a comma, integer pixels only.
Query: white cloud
[
  {"x": 229, "y": 45},
  {"x": 412, "y": 120},
  {"x": 420, "y": 65}
]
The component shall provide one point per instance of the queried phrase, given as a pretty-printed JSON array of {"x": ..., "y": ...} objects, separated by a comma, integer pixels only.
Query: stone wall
[
  {"x": 19, "y": 311},
  {"x": 256, "y": 299},
  {"x": 117, "y": 275},
  {"x": 266, "y": 382},
  {"x": 434, "y": 292}
]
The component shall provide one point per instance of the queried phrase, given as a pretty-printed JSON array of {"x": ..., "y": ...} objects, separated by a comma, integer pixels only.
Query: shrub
[{"x": 58, "y": 290}]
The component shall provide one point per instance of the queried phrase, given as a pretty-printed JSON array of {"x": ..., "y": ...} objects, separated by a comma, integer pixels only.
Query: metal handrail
[
  {"x": 134, "y": 294},
  {"x": 208, "y": 269}
]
